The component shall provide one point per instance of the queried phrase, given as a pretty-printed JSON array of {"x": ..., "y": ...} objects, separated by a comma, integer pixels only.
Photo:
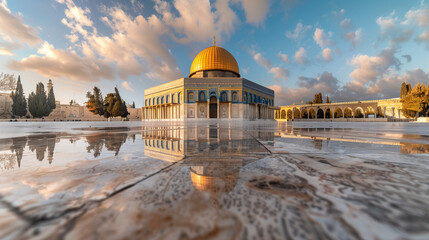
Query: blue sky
[{"x": 349, "y": 50}]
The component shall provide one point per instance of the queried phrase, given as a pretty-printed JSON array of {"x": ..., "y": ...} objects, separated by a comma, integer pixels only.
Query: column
[
  {"x": 393, "y": 112},
  {"x": 308, "y": 114},
  {"x": 218, "y": 108},
  {"x": 208, "y": 108},
  {"x": 196, "y": 110},
  {"x": 384, "y": 112},
  {"x": 171, "y": 112},
  {"x": 229, "y": 112}
]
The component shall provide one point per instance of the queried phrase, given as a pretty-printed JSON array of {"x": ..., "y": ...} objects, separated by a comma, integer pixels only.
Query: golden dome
[{"x": 214, "y": 58}]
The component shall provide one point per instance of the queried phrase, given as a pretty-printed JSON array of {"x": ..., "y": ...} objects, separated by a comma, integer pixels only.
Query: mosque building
[{"x": 213, "y": 90}]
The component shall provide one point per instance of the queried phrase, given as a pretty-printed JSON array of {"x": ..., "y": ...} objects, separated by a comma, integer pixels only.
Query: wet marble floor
[{"x": 214, "y": 180}]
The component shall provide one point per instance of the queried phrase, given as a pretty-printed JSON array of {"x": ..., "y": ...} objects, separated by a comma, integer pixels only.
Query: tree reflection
[
  {"x": 111, "y": 141},
  {"x": 41, "y": 144}
]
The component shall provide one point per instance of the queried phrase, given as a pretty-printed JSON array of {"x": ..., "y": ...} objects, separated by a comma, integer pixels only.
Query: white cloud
[
  {"x": 418, "y": 16},
  {"x": 196, "y": 20},
  {"x": 301, "y": 56},
  {"x": 368, "y": 68},
  {"x": 424, "y": 38},
  {"x": 283, "y": 57},
  {"x": 279, "y": 73},
  {"x": 55, "y": 63},
  {"x": 299, "y": 31},
  {"x": 321, "y": 39},
  {"x": 307, "y": 87},
  {"x": 13, "y": 32},
  {"x": 262, "y": 61},
  {"x": 326, "y": 54},
  {"x": 387, "y": 23},
  {"x": 6, "y": 52},
  {"x": 137, "y": 5},
  {"x": 386, "y": 86},
  {"x": 73, "y": 38},
  {"x": 355, "y": 37},
  {"x": 346, "y": 23},
  {"x": 256, "y": 10},
  {"x": 127, "y": 86}
]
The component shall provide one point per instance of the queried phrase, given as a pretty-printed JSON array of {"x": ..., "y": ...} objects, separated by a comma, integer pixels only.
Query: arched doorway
[{"x": 213, "y": 107}]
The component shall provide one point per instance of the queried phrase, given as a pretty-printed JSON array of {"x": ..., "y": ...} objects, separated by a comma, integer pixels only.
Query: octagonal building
[{"x": 213, "y": 90}]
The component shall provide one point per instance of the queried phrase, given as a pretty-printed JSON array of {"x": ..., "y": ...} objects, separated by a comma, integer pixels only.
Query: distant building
[
  {"x": 382, "y": 108},
  {"x": 76, "y": 112},
  {"x": 213, "y": 90}
]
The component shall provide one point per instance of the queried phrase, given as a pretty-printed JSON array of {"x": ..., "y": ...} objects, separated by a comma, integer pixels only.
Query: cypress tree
[
  {"x": 38, "y": 102},
  {"x": 51, "y": 99},
  {"x": 404, "y": 90},
  {"x": 19, "y": 105}
]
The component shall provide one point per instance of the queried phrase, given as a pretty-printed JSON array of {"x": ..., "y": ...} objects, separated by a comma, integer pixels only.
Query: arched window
[
  {"x": 224, "y": 97},
  {"x": 173, "y": 98},
  {"x": 190, "y": 96},
  {"x": 245, "y": 97},
  {"x": 283, "y": 114},
  {"x": 263, "y": 100},
  {"x": 145, "y": 102},
  {"x": 234, "y": 97},
  {"x": 167, "y": 99},
  {"x": 202, "y": 96},
  {"x": 162, "y": 100},
  {"x": 157, "y": 100}
]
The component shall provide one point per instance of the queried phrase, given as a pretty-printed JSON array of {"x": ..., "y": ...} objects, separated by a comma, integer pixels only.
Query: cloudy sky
[{"x": 350, "y": 50}]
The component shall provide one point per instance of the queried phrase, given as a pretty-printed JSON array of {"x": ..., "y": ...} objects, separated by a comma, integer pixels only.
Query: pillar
[
  {"x": 229, "y": 110},
  {"x": 384, "y": 112},
  {"x": 218, "y": 108}
]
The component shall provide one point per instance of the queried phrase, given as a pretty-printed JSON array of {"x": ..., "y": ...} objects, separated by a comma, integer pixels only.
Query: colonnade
[{"x": 158, "y": 112}]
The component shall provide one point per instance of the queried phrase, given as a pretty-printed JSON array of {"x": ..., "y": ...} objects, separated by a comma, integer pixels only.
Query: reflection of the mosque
[
  {"x": 213, "y": 154},
  {"x": 175, "y": 143},
  {"x": 316, "y": 136}
]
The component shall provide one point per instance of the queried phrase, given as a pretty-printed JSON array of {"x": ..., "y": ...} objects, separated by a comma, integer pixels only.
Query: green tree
[
  {"x": 51, "y": 99},
  {"x": 95, "y": 102},
  {"x": 327, "y": 99},
  {"x": 112, "y": 106},
  {"x": 405, "y": 89},
  {"x": 121, "y": 108},
  {"x": 19, "y": 105},
  {"x": 38, "y": 102},
  {"x": 416, "y": 101},
  {"x": 318, "y": 98}
]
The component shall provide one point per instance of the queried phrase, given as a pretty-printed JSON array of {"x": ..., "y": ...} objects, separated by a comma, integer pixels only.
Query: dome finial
[{"x": 214, "y": 40}]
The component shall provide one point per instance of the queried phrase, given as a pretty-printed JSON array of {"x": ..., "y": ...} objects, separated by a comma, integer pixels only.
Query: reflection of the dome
[{"x": 215, "y": 176}]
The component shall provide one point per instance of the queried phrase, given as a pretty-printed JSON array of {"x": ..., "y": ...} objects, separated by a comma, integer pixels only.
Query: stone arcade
[{"x": 214, "y": 89}]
